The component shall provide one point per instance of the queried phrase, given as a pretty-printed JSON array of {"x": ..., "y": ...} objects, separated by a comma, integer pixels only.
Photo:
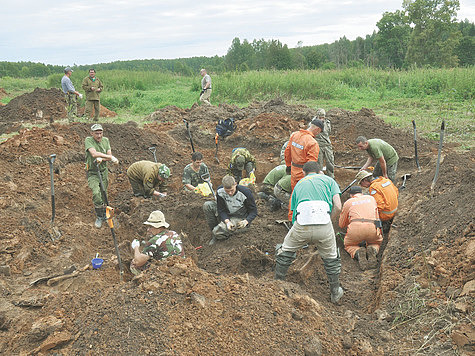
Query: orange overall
[
  {"x": 301, "y": 149},
  {"x": 386, "y": 194},
  {"x": 360, "y": 207}
]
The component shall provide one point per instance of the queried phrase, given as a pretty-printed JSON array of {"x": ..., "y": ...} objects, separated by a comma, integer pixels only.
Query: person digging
[
  {"x": 361, "y": 219},
  {"x": 384, "y": 192},
  {"x": 148, "y": 179},
  {"x": 163, "y": 243},
  {"x": 98, "y": 152},
  {"x": 241, "y": 159},
  {"x": 232, "y": 212}
]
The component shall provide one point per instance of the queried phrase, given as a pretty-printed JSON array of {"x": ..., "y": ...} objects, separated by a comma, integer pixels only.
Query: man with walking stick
[{"x": 98, "y": 150}]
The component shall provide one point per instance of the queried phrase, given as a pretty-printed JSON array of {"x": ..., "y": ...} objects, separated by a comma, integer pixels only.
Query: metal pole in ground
[{"x": 55, "y": 233}]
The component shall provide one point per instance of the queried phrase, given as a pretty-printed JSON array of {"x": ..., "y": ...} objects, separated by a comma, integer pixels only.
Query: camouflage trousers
[
  {"x": 326, "y": 153},
  {"x": 71, "y": 106},
  {"x": 378, "y": 172}
]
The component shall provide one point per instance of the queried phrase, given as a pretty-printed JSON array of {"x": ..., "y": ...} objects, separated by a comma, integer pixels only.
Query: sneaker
[
  {"x": 372, "y": 259},
  {"x": 360, "y": 256},
  {"x": 98, "y": 223}
]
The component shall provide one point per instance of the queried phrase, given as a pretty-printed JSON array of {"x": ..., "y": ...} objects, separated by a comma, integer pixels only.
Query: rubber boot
[
  {"x": 372, "y": 259},
  {"x": 283, "y": 260},
  {"x": 100, "y": 212},
  {"x": 263, "y": 195},
  {"x": 335, "y": 288},
  {"x": 360, "y": 256}
]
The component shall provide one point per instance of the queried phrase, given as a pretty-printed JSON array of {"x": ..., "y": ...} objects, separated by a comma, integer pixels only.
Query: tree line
[{"x": 424, "y": 33}]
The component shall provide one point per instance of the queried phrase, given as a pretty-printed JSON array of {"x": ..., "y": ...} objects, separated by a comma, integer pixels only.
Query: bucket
[{"x": 97, "y": 263}]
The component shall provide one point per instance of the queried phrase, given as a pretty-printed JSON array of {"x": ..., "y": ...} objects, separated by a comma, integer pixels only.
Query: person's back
[
  {"x": 164, "y": 244},
  {"x": 386, "y": 195},
  {"x": 274, "y": 175}
]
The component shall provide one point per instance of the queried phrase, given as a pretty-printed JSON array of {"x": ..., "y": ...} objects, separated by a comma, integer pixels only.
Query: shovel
[
  {"x": 55, "y": 233},
  {"x": 348, "y": 186},
  {"x": 153, "y": 149},
  {"x": 415, "y": 146},
  {"x": 441, "y": 141},
  {"x": 206, "y": 177},
  {"x": 189, "y": 135},
  {"x": 109, "y": 216},
  {"x": 405, "y": 177},
  {"x": 286, "y": 223},
  {"x": 348, "y": 167},
  {"x": 216, "y": 139}
]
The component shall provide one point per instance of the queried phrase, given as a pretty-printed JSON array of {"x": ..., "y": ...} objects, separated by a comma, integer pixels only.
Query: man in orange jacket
[
  {"x": 301, "y": 149},
  {"x": 385, "y": 193},
  {"x": 360, "y": 216}
]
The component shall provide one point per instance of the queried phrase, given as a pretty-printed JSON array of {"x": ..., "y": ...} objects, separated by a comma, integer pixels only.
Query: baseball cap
[
  {"x": 96, "y": 127},
  {"x": 317, "y": 122},
  {"x": 362, "y": 175},
  {"x": 68, "y": 69},
  {"x": 157, "y": 219},
  {"x": 355, "y": 189}
]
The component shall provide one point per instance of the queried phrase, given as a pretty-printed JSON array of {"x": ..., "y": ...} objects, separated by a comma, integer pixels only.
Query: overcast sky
[{"x": 101, "y": 31}]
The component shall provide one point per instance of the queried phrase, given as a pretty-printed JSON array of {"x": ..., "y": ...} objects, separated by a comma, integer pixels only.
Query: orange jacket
[
  {"x": 302, "y": 148},
  {"x": 358, "y": 207},
  {"x": 386, "y": 194}
]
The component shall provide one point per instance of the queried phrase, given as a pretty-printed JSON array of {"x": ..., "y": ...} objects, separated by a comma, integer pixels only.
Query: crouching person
[
  {"x": 315, "y": 200},
  {"x": 360, "y": 216},
  {"x": 232, "y": 212},
  {"x": 163, "y": 243}
]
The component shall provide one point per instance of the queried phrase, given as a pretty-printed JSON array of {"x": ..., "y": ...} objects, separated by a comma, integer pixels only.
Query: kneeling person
[
  {"x": 274, "y": 188},
  {"x": 360, "y": 216},
  {"x": 194, "y": 172},
  {"x": 148, "y": 178},
  {"x": 162, "y": 244},
  {"x": 315, "y": 199},
  {"x": 232, "y": 212}
]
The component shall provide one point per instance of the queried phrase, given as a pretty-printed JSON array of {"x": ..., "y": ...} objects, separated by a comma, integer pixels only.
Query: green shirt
[
  {"x": 192, "y": 177},
  {"x": 275, "y": 175},
  {"x": 378, "y": 148},
  {"x": 88, "y": 83},
  {"x": 313, "y": 187},
  {"x": 285, "y": 183},
  {"x": 102, "y": 147}
]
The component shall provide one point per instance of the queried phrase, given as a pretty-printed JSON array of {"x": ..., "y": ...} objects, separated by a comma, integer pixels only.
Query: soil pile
[{"x": 222, "y": 299}]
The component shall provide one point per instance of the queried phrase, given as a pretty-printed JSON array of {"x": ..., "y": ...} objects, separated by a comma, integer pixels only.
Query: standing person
[
  {"x": 232, "y": 212},
  {"x": 241, "y": 159},
  {"x": 205, "y": 87},
  {"x": 148, "y": 178},
  {"x": 193, "y": 172},
  {"x": 98, "y": 152},
  {"x": 163, "y": 243},
  {"x": 315, "y": 200},
  {"x": 326, "y": 149},
  {"x": 384, "y": 192},
  {"x": 383, "y": 152},
  {"x": 360, "y": 216},
  {"x": 93, "y": 87},
  {"x": 70, "y": 94},
  {"x": 302, "y": 148}
]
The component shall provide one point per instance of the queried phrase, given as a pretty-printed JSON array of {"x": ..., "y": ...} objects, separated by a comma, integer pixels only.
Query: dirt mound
[{"x": 222, "y": 299}]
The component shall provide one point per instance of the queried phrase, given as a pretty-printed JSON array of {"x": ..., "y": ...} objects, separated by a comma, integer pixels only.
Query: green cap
[
  {"x": 164, "y": 171},
  {"x": 96, "y": 127}
]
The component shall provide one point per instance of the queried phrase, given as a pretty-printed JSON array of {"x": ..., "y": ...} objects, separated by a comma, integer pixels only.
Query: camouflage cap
[
  {"x": 164, "y": 171},
  {"x": 96, "y": 127},
  {"x": 321, "y": 112},
  {"x": 362, "y": 175}
]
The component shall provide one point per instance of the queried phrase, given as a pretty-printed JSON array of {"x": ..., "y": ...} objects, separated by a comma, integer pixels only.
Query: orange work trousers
[{"x": 359, "y": 231}]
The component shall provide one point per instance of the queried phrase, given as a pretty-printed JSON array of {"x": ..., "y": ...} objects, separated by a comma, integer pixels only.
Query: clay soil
[{"x": 223, "y": 299}]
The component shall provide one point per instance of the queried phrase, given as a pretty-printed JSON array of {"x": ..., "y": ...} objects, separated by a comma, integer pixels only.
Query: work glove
[
  {"x": 242, "y": 224},
  {"x": 99, "y": 160},
  {"x": 134, "y": 244},
  {"x": 288, "y": 169},
  {"x": 161, "y": 195},
  {"x": 114, "y": 160},
  {"x": 80, "y": 96},
  {"x": 230, "y": 226}
]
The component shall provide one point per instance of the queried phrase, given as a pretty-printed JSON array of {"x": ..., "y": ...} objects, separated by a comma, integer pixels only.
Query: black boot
[
  {"x": 335, "y": 289},
  {"x": 283, "y": 260}
]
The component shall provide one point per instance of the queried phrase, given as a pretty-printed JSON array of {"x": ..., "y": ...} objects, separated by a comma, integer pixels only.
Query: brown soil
[{"x": 223, "y": 299}]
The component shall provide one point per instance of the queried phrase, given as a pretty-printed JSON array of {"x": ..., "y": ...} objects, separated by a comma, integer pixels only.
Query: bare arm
[
  {"x": 367, "y": 164},
  {"x": 382, "y": 163},
  {"x": 139, "y": 258},
  {"x": 106, "y": 156},
  {"x": 336, "y": 206}
]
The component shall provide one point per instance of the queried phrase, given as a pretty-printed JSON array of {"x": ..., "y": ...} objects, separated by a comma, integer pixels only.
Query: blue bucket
[{"x": 97, "y": 263}]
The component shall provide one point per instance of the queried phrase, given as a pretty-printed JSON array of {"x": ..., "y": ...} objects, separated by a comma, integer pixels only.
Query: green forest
[{"x": 424, "y": 33}]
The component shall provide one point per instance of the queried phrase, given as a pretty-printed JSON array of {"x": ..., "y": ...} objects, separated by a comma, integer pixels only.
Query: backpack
[{"x": 226, "y": 127}]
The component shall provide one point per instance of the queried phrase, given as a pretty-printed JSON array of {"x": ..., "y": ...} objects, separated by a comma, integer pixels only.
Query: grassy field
[{"x": 426, "y": 95}]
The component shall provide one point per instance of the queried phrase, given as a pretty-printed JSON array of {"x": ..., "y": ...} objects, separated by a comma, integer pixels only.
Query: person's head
[
  {"x": 239, "y": 162},
  {"x": 355, "y": 190},
  {"x": 229, "y": 185},
  {"x": 364, "y": 178},
  {"x": 315, "y": 126},
  {"x": 156, "y": 222},
  {"x": 68, "y": 71},
  {"x": 163, "y": 172},
  {"x": 203, "y": 72},
  {"x": 92, "y": 72},
  {"x": 321, "y": 113},
  {"x": 311, "y": 167},
  {"x": 97, "y": 132},
  {"x": 362, "y": 143},
  {"x": 197, "y": 158}
]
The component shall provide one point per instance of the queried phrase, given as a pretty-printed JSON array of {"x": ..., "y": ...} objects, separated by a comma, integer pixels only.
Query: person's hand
[
  {"x": 80, "y": 96},
  {"x": 230, "y": 226},
  {"x": 99, "y": 160},
  {"x": 161, "y": 195},
  {"x": 134, "y": 244},
  {"x": 114, "y": 160},
  {"x": 242, "y": 224}
]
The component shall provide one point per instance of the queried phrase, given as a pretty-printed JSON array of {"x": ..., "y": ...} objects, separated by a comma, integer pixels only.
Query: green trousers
[
  {"x": 93, "y": 183},
  {"x": 93, "y": 104}
]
